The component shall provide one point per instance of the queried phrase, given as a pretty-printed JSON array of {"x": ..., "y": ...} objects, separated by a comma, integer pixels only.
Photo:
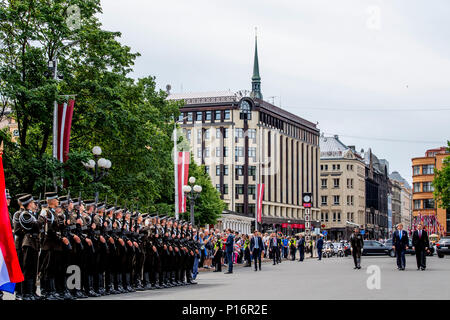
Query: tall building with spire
[
  {"x": 256, "y": 79},
  {"x": 243, "y": 141}
]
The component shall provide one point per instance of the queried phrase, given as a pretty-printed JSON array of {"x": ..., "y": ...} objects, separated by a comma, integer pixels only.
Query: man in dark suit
[
  {"x": 420, "y": 244},
  {"x": 256, "y": 245},
  {"x": 400, "y": 243},
  {"x": 301, "y": 248},
  {"x": 274, "y": 248},
  {"x": 357, "y": 243},
  {"x": 320, "y": 247},
  {"x": 229, "y": 250}
]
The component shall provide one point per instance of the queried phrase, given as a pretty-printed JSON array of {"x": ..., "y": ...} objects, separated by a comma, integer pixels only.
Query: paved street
[{"x": 332, "y": 278}]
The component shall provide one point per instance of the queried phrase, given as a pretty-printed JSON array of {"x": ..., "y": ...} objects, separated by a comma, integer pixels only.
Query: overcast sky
[{"x": 361, "y": 69}]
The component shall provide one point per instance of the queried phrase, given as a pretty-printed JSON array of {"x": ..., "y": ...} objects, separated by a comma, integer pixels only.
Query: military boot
[
  {"x": 146, "y": 283},
  {"x": 110, "y": 284},
  {"x": 138, "y": 283},
  {"x": 120, "y": 288},
  {"x": 52, "y": 290},
  {"x": 101, "y": 284},
  {"x": 91, "y": 292},
  {"x": 128, "y": 285},
  {"x": 182, "y": 277},
  {"x": 157, "y": 283},
  {"x": 27, "y": 288}
]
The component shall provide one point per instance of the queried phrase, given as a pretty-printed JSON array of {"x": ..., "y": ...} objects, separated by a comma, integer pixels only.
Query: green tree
[
  {"x": 130, "y": 119},
  {"x": 441, "y": 183},
  {"x": 208, "y": 206}
]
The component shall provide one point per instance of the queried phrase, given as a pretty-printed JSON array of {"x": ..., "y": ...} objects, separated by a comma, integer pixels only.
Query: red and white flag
[
  {"x": 260, "y": 200},
  {"x": 65, "y": 112},
  {"x": 183, "y": 173}
]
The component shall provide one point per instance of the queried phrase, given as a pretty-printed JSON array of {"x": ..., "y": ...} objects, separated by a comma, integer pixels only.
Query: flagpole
[{"x": 175, "y": 162}]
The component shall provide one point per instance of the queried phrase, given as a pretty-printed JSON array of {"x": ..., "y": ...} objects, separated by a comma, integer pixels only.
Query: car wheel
[{"x": 392, "y": 253}]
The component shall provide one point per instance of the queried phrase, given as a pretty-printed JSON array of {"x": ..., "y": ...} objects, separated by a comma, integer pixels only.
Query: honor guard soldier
[
  {"x": 90, "y": 236},
  {"x": 29, "y": 227},
  {"x": 138, "y": 237},
  {"x": 112, "y": 251},
  {"x": 18, "y": 239},
  {"x": 101, "y": 249}
]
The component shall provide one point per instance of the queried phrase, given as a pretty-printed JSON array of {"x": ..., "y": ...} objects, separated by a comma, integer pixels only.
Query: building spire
[{"x": 256, "y": 79}]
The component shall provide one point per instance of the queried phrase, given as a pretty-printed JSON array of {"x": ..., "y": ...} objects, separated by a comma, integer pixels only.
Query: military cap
[
  {"x": 163, "y": 218},
  {"x": 101, "y": 205},
  {"x": 26, "y": 199},
  {"x": 20, "y": 195},
  {"x": 145, "y": 215},
  {"x": 63, "y": 199},
  {"x": 118, "y": 209},
  {"x": 51, "y": 195},
  {"x": 89, "y": 202},
  {"x": 109, "y": 208}
]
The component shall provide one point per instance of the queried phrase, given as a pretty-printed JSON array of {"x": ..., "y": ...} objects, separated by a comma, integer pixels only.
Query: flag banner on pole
[
  {"x": 10, "y": 272},
  {"x": 260, "y": 200},
  {"x": 183, "y": 173},
  {"x": 65, "y": 113}
]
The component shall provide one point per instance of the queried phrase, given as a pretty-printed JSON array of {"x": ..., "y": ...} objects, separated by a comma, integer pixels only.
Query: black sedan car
[
  {"x": 443, "y": 247},
  {"x": 375, "y": 248}
]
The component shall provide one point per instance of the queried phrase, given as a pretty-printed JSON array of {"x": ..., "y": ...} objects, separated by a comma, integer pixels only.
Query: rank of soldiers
[{"x": 115, "y": 250}]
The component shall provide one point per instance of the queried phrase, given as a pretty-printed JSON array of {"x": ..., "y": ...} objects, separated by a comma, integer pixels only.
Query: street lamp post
[
  {"x": 192, "y": 192},
  {"x": 98, "y": 167}
]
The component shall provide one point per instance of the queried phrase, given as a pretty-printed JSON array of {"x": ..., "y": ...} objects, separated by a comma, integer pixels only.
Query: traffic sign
[
  {"x": 325, "y": 233},
  {"x": 362, "y": 231}
]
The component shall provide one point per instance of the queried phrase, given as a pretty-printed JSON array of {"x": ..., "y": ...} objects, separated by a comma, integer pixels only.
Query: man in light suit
[
  {"x": 420, "y": 244},
  {"x": 256, "y": 246},
  {"x": 229, "y": 250},
  {"x": 400, "y": 243}
]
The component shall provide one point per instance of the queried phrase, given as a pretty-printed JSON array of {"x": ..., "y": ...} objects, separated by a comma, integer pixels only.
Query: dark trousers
[
  {"x": 302, "y": 253},
  {"x": 421, "y": 258},
  {"x": 319, "y": 253},
  {"x": 257, "y": 257},
  {"x": 293, "y": 253},
  {"x": 401, "y": 261},
  {"x": 275, "y": 255},
  {"x": 230, "y": 261},
  {"x": 285, "y": 252},
  {"x": 356, "y": 257}
]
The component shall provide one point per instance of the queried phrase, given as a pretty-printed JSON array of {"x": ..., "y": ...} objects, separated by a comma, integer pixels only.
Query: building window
[
  {"x": 334, "y": 216},
  {"x": 217, "y": 115},
  {"x": 326, "y": 216},
  {"x": 252, "y": 153},
  {"x": 336, "y": 200},
  {"x": 239, "y": 207},
  {"x": 199, "y": 135},
  {"x": 350, "y": 183},
  {"x": 252, "y": 171},
  {"x": 428, "y": 169},
  {"x": 188, "y": 135},
  {"x": 339, "y": 217},
  {"x": 252, "y": 134},
  {"x": 189, "y": 115},
  {"x": 416, "y": 170},
  {"x": 251, "y": 209},
  {"x": 217, "y": 151},
  {"x": 239, "y": 170},
  {"x": 416, "y": 187},
  {"x": 208, "y": 115},
  {"x": 207, "y": 152},
  {"x": 225, "y": 133},
  {"x": 239, "y": 189},
  {"x": 217, "y": 170},
  {"x": 225, "y": 152},
  {"x": 218, "y": 133},
  {"x": 326, "y": 167},
  {"x": 349, "y": 200},
  {"x": 239, "y": 133},
  {"x": 227, "y": 114},
  {"x": 207, "y": 134},
  {"x": 225, "y": 189},
  {"x": 336, "y": 183},
  {"x": 218, "y": 187},
  {"x": 239, "y": 152},
  {"x": 321, "y": 216},
  {"x": 252, "y": 189},
  {"x": 198, "y": 116},
  {"x": 417, "y": 204},
  {"x": 324, "y": 183},
  {"x": 428, "y": 203},
  {"x": 180, "y": 117},
  {"x": 199, "y": 153},
  {"x": 207, "y": 169},
  {"x": 427, "y": 187},
  {"x": 225, "y": 170},
  {"x": 324, "y": 200},
  {"x": 350, "y": 167}
]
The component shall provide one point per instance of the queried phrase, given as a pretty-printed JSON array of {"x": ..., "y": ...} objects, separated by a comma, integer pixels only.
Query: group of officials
[
  {"x": 400, "y": 240},
  {"x": 115, "y": 250}
]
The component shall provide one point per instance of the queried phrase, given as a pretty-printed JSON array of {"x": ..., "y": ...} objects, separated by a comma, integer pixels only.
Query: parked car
[
  {"x": 443, "y": 247},
  {"x": 376, "y": 248}
]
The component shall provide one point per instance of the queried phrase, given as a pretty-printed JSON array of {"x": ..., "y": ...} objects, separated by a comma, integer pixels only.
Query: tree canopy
[{"x": 441, "y": 183}]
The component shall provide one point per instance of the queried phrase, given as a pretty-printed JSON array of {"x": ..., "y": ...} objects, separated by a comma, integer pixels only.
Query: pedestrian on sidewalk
[
  {"x": 229, "y": 250},
  {"x": 357, "y": 244},
  {"x": 301, "y": 247},
  {"x": 320, "y": 247},
  {"x": 274, "y": 246},
  {"x": 292, "y": 247},
  {"x": 256, "y": 245},
  {"x": 247, "y": 252}
]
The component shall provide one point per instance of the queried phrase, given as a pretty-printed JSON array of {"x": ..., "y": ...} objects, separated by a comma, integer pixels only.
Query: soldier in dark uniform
[
  {"x": 28, "y": 226},
  {"x": 129, "y": 255},
  {"x": 138, "y": 237},
  {"x": 66, "y": 252},
  {"x": 51, "y": 247},
  {"x": 112, "y": 251},
  {"x": 192, "y": 250},
  {"x": 18, "y": 239},
  {"x": 157, "y": 247},
  {"x": 357, "y": 243},
  {"x": 101, "y": 249},
  {"x": 120, "y": 254},
  {"x": 90, "y": 237}
]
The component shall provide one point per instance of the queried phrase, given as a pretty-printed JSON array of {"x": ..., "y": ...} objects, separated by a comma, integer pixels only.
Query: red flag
[
  {"x": 65, "y": 112},
  {"x": 260, "y": 200},
  {"x": 10, "y": 272},
  {"x": 183, "y": 172}
]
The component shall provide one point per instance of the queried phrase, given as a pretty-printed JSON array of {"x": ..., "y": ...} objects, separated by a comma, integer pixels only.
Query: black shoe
[
  {"x": 355, "y": 268},
  {"x": 192, "y": 281},
  {"x": 228, "y": 272},
  {"x": 256, "y": 269}
]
